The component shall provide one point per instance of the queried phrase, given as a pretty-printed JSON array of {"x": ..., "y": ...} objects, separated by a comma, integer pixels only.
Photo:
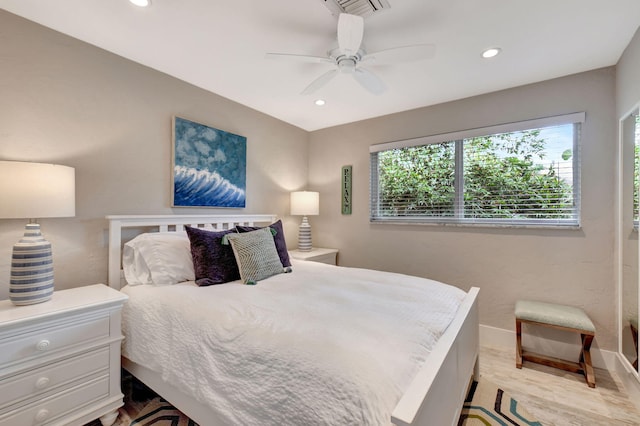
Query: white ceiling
[{"x": 220, "y": 46}]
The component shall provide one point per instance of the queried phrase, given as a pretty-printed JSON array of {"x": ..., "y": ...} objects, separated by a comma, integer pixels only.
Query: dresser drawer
[
  {"x": 48, "y": 409},
  {"x": 47, "y": 340},
  {"x": 329, "y": 258},
  {"x": 47, "y": 378}
]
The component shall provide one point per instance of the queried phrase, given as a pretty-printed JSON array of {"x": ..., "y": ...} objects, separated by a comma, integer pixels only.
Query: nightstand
[
  {"x": 60, "y": 360},
  {"x": 317, "y": 254}
]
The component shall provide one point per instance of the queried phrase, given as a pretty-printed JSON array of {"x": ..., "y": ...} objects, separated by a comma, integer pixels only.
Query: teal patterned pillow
[{"x": 256, "y": 255}]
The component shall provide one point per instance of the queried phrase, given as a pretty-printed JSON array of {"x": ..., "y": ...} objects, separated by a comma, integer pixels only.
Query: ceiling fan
[{"x": 350, "y": 56}]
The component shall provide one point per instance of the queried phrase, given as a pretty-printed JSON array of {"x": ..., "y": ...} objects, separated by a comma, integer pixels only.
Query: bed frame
[{"x": 437, "y": 393}]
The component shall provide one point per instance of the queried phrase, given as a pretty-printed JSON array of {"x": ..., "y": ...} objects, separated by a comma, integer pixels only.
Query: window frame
[
  {"x": 636, "y": 166},
  {"x": 577, "y": 119}
]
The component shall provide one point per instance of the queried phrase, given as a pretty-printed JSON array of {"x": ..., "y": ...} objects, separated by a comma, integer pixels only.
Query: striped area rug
[
  {"x": 488, "y": 405},
  {"x": 159, "y": 412}
]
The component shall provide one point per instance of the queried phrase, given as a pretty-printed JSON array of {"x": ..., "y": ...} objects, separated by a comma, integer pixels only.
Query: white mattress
[{"x": 321, "y": 345}]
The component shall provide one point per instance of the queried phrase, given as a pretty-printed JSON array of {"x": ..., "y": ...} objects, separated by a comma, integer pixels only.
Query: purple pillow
[
  {"x": 278, "y": 238},
  {"x": 213, "y": 263}
]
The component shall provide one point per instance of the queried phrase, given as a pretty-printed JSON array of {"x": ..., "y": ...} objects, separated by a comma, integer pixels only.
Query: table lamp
[
  {"x": 305, "y": 203},
  {"x": 34, "y": 191}
]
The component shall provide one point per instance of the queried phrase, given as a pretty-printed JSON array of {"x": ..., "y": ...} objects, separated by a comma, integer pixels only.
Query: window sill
[{"x": 422, "y": 222}]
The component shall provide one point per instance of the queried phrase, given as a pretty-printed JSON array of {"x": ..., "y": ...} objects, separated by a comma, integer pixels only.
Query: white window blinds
[{"x": 524, "y": 173}]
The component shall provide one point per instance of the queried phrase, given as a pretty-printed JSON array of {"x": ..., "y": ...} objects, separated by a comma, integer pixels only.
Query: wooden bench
[{"x": 560, "y": 317}]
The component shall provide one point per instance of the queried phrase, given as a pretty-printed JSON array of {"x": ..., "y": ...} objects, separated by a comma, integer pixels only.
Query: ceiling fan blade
[
  {"x": 350, "y": 33},
  {"x": 319, "y": 82},
  {"x": 299, "y": 58},
  {"x": 416, "y": 52},
  {"x": 369, "y": 81}
]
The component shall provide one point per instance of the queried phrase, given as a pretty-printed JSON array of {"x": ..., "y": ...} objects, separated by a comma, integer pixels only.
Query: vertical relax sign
[{"x": 346, "y": 189}]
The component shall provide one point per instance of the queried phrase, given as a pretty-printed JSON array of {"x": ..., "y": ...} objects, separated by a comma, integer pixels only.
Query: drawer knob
[
  {"x": 43, "y": 345},
  {"x": 42, "y": 382},
  {"x": 42, "y": 415}
]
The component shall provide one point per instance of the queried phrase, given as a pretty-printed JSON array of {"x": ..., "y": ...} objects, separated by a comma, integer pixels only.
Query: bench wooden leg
[
  {"x": 585, "y": 360},
  {"x": 518, "y": 343},
  {"x": 583, "y": 366}
]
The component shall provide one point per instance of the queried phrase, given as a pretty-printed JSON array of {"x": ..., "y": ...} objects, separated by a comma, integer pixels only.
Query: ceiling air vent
[{"x": 356, "y": 7}]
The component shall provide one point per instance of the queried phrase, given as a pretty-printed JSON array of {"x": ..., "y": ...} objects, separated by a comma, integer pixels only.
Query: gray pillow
[
  {"x": 278, "y": 238},
  {"x": 256, "y": 255}
]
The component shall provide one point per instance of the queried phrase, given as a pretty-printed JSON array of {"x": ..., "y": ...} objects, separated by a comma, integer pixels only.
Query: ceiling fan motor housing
[{"x": 356, "y": 7}]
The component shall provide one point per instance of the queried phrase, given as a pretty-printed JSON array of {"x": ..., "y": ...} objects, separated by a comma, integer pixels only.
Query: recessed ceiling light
[
  {"x": 490, "y": 53},
  {"x": 141, "y": 3},
  {"x": 320, "y": 102}
]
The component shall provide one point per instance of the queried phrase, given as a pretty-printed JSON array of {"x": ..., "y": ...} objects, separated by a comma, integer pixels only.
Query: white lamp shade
[
  {"x": 36, "y": 190},
  {"x": 305, "y": 203}
]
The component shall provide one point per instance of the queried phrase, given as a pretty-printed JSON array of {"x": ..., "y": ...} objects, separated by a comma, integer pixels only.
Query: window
[{"x": 524, "y": 173}]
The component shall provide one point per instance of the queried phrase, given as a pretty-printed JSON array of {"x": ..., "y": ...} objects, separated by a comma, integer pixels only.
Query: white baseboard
[{"x": 629, "y": 380}]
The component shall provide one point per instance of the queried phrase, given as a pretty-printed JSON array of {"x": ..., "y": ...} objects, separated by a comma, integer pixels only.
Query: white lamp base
[
  {"x": 31, "y": 278},
  {"x": 304, "y": 235}
]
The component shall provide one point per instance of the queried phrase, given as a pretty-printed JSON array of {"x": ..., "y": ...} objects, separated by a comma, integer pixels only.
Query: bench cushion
[{"x": 551, "y": 313}]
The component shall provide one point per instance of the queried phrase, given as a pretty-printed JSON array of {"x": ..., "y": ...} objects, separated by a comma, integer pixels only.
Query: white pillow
[{"x": 159, "y": 258}]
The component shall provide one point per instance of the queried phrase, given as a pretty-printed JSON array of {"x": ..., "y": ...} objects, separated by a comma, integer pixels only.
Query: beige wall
[
  {"x": 570, "y": 266},
  {"x": 67, "y": 102},
  {"x": 628, "y": 77}
]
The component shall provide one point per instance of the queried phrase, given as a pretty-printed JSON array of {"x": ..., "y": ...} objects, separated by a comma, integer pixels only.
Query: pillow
[
  {"x": 159, "y": 258},
  {"x": 278, "y": 238},
  {"x": 256, "y": 255},
  {"x": 213, "y": 262}
]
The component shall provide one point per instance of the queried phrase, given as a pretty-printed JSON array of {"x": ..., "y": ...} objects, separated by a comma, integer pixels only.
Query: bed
[{"x": 433, "y": 394}]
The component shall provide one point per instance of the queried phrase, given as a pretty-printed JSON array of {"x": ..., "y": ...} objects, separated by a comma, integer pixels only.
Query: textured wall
[
  {"x": 569, "y": 266},
  {"x": 628, "y": 77},
  {"x": 65, "y": 101}
]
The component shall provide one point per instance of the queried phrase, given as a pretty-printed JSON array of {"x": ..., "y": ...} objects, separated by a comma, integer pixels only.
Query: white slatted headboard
[{"x": 169, "y": 223}]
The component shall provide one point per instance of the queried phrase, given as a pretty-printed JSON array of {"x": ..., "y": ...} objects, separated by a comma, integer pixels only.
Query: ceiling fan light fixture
[
  {"x": 320, "y": 102},
  {"x": 347, "y": 65},
  {"x": 491, "y": 52},
  {"x": 141, "y": 3}
]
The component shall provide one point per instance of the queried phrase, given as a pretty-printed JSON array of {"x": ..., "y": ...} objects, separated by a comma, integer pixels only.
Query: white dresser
[
  {"x": 317, "y": 254},
  {"x": 60, "y": 360}
]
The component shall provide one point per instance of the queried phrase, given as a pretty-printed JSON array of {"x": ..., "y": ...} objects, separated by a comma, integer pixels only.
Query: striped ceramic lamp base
[
  {"x": 31, "y": 268},
  {"x": 304, "y": 235}
]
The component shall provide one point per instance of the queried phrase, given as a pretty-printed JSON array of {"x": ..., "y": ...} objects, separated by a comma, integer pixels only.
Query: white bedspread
[{"x": 322, "y": 345}]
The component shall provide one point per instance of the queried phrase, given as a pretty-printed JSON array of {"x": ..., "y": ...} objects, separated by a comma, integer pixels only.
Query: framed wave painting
[{"x": 209, "y": 166}]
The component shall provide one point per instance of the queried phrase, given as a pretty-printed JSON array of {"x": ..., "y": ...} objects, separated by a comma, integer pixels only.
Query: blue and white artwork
[{"x": 209, "y": 167}]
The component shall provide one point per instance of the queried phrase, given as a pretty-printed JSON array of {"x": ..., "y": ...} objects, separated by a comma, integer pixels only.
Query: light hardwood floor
[{"x": 559, "y": 398}]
